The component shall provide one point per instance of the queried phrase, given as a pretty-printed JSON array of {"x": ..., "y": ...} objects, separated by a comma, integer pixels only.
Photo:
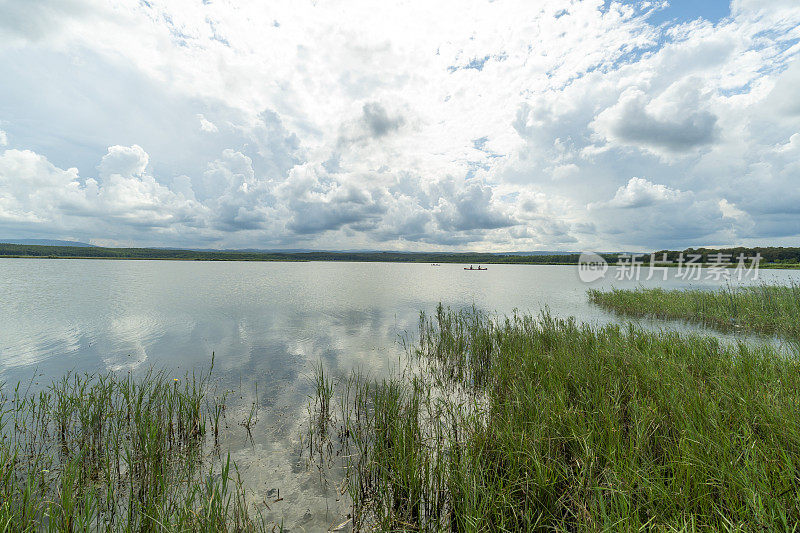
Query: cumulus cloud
[
  {"x": 641, "y": 210},
  {"x": 730, "y": 210},
  {"x": 373, "y": 123},
  {"x": 378, "y": 121},
  {"x": 639, "y": 192},
  {"x": 631, "y": 122},
  {"x": 36, "y": 194},
  {"x": 126, "y": 161},
  {"x": 206, "y": 125},
  {"x": 241, "y": 201},
  {"x": 784, "y": 97},
  {"x": 791, "y": 147},
  {"x": 278, "y": 148},
  {"x": 506, "y": 126},
  {"x": 320, "y": 202},
  {"x": 31, "y": 187},
  {"x": 471, "y": 209},
  {"x": 565, "y": 171}
]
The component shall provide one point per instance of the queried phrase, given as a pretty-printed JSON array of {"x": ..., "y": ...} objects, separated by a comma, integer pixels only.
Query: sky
[{"x": 505, "y": 125}]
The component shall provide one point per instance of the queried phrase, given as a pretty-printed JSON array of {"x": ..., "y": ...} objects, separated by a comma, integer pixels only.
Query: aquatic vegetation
[
  {"x": 320, "y": 414},
  {"x": 537, "y": 423},
  {"x": 111, "y": 452},
  {"x": 772, "y": 309}
]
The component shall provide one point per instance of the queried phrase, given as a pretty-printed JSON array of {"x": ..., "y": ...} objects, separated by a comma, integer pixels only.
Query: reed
[
  {"x": 320, "y": 415},
  {"x": 770, "y": 309},
  {"x": 117, "y": 453},
  {"x": 537, "y": 424}
]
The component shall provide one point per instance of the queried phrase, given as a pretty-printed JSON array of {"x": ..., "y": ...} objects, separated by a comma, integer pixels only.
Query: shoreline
[{"x": 770, "y": 266}]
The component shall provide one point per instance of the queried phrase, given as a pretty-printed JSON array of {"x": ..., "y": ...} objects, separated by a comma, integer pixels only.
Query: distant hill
[
  {"x": 28, "y": 250},
  {"x": 46, "y": 242},
  {"x": 774, "y": 256},
  {"x": 370, "y": 251},
  {"x": 539, "y": 252}
]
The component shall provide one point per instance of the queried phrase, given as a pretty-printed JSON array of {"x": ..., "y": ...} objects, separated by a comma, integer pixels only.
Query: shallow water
[{"x": 267, "y": 324}]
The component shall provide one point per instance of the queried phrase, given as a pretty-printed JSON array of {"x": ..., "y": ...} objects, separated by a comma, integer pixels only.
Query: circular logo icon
[{"x": 591, "y": 267}]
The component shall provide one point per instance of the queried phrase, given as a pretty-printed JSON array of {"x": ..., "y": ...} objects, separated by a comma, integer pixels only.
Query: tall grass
[
  {"x": 535, "y": 424},
  {"x": 109, "y": 452},
  {"x": 772, "y": 309}
]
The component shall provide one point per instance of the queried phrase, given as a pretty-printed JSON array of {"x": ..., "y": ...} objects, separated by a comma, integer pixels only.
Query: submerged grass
[
  {"x": 119, "y": 453},
  {"x": 771, "y": 309},
  {"x": 534, "y": 424}
]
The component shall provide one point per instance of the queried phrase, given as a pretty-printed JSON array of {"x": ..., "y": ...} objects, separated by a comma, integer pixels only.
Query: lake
[{"x": 267, "y": 323}]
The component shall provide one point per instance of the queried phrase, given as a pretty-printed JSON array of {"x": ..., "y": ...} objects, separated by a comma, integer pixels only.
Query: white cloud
[
  {"x": 729, "y": 210},
  {"x": 502, "y": 126},
  {"x": 126, "y": 161},
  {"x": 677, "y": 128},
  {"x": 206, "y": 125},
  {"x": 38, "y": 19},
  {"x": 3, "y": 138},
  {"x": 565, "y": 171},
  {"x": 639, "y": 192},
  {"x": 642, "y": 210},
  {"x": 35, "y": 194}
]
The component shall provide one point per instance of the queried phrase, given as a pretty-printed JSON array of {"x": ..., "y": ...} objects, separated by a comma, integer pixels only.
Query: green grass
[
  {"x": 542, "y": 424},
  {"x": 117, "y": 453},
  {"x": 770, "y": 309}
]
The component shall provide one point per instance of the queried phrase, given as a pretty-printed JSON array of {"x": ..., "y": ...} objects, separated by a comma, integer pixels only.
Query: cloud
[
  {"x": 791, "y": 147},
  {"x": 34, "y": 193},
  {"x": 639, "y": 192},
  {"x": 406, "y": 220},
  {"x": 730, "y": 210},
  {"x": 320, "y": 202},
  {"x": 501, "y": 127},
  {"x": 642, "y": 210},
  {"x": 206, "y": 125},
  {"x": 471, "y": 209},
  {"x": 279, "y": 149},
  {"x": 126, "y": 161},
  {"x": 374, "y": 123},
  {"x": 238, "y": 200},
  {"x": 378, "y": 121},
  {"x": 784, "y": 97},
  {"x": 3, "y": 138},
  {"x": 561, "y": 172},
  {"x": 37, "y": 19},
  {"x": 31, "y": 187},
  {"x": 631, "y": 122}
]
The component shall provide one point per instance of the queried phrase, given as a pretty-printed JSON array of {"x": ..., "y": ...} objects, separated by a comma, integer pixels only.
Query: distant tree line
[
  {"x": 772, "y": 254},
  {"x": 768, "y": 255},
  {"x": 20, "y": 250}
]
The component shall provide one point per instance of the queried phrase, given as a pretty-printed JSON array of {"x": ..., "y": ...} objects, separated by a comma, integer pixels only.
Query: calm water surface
[{"x": 267, "y": 323}]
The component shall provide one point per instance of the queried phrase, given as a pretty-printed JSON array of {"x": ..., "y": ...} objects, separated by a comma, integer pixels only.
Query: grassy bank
[
  {"x": 524, "y": 424},
  {"x": 772, "y": 309},
  {"x": 118, "y": 453}
]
